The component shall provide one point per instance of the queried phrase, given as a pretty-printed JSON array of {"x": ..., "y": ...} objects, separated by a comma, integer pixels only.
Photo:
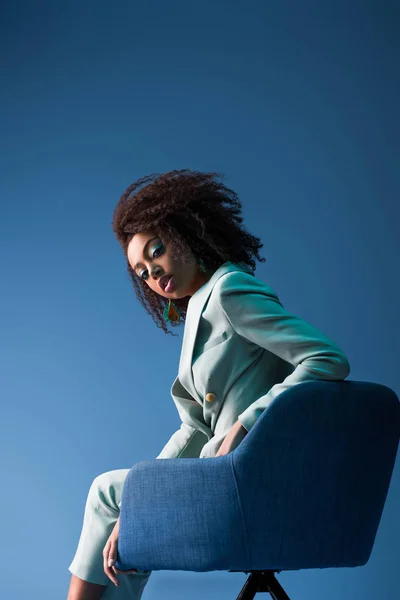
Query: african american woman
[{"x": 192, "y": 261}]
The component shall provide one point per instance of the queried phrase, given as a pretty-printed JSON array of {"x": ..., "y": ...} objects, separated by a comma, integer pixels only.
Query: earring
[
  {"x": 202, "y": 265},
  {"x": 171, "y": 312}
]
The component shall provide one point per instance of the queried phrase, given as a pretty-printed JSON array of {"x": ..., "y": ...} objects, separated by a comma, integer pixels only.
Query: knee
[
  {"x": 100, "y": 484},
  {"x": 107, "y": 487},
  {"x": 102, "y": 478}
]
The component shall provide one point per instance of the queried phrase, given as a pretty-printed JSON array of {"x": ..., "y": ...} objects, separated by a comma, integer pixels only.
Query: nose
[{"x": 157, "y": 273}]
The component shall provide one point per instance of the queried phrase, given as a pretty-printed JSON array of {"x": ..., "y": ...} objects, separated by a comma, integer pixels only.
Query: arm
[{"x": 256, "y": 313}]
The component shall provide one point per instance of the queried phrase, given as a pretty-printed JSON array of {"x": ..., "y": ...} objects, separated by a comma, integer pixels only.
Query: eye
[{"x": 155, "y": 255}]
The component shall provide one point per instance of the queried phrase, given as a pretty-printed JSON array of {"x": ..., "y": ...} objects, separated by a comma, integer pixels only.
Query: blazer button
[{"x": 210, "y": 397}]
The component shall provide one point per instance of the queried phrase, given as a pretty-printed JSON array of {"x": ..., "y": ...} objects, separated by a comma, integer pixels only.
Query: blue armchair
[{"x": 305, "y": 489}]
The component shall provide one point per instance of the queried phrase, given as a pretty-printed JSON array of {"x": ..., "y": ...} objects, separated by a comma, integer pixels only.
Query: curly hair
[{"x": 195, "y": 214}]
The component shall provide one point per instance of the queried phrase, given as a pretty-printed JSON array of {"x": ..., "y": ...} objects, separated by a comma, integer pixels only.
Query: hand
[
  {"x": 232, "y": 439},
  {"x": 110, "y": 554}
]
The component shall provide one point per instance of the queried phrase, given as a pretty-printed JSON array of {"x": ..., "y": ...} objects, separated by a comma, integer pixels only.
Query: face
[{"x": 151, "y": 258}]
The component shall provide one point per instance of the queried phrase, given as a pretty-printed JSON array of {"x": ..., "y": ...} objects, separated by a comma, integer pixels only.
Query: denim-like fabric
[
  {"x": 181, "y": 514},
  {"x": 323, "y": 457},
  {"x": 304, "y": 489}
]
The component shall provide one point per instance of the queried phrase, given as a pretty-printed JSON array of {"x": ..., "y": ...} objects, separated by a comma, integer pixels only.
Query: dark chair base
[{"x": 262, "y": 581}]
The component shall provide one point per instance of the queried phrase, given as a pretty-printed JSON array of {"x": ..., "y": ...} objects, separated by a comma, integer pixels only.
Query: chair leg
[
  {"x": 250, "y": 588},
  {"x": 262, "y": 581}
]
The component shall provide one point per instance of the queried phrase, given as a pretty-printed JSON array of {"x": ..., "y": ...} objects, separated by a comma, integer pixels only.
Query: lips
[{"x": 162, "y": 282}]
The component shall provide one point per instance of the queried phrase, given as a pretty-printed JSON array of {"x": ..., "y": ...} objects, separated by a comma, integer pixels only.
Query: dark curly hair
[{"x": 192, "y": 212}]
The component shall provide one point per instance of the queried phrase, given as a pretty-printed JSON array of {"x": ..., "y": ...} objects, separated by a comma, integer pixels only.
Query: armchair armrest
[{"x": 181, "y": 515}]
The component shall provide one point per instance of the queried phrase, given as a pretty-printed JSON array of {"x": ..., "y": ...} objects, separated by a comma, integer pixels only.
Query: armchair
[{"x": 305, "y": 489}]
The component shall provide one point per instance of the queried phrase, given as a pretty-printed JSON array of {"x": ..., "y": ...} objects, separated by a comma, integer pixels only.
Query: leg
[
  {"x": 101, "y": 514},
  {"x": 83, "y": 590}
]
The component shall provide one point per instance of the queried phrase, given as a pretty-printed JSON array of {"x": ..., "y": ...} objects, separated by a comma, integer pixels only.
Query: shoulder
[{"x": 239, "y": 283}]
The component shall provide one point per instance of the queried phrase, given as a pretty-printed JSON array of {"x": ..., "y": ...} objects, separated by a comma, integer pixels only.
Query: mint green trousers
[{"x": 101, "y": 513}]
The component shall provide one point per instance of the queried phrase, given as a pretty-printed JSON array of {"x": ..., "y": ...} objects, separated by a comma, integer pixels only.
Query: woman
[{"x": 191, "y": 260}]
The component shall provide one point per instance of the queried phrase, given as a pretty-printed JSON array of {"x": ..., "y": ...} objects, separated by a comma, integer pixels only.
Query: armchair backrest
[{"x": 314, "y": 472}]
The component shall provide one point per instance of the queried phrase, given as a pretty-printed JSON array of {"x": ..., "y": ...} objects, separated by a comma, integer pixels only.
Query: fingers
[
  {"x": 125, "y": 572},
  {"x": 109, "y": 558},
  {"x": 110, "y": 554}
]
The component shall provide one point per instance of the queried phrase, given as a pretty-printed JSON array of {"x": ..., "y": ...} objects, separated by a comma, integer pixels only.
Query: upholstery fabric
[{"x": 305, "y": 489}]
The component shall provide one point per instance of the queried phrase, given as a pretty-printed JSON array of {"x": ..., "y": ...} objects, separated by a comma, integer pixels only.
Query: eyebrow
[{"x": 144, "y": 249}]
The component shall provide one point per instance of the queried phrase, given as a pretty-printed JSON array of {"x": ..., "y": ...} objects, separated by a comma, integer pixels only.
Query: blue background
[{"x": 297, "y": 104}]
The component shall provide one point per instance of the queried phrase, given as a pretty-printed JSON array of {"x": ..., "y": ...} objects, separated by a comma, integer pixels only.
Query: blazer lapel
[{"x": 193, "y": 314}]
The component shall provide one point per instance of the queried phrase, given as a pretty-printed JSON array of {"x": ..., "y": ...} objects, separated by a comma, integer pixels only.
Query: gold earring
[{"x": 171, "y": 312}]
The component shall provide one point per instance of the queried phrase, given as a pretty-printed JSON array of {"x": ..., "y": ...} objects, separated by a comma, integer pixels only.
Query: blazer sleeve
[
  {"x": 193, "y": 433},
  {"x": 256, "y": 313}
]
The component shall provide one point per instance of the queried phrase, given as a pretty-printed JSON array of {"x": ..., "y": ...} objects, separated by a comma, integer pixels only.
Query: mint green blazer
[{"x": 240, "y": 350}]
